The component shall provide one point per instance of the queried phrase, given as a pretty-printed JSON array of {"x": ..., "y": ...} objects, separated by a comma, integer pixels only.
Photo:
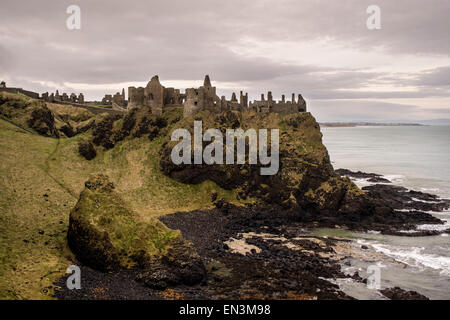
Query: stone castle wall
[
  {"x": 30, "y": 94},
  {"x": 157, "y": 97},
  {"x": 56, "y": 97}
]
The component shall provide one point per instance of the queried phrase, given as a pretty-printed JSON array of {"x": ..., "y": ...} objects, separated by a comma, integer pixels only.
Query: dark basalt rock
[
  {"x": 180, "y": 265},
  {"x": 274, "y": 272},
  {"x": 85, "y": 127},
  {"x": 103, "y": 130},
  {"x": 401, "y": 198},
  {"x": 397, "y": 293},
  {"x": 306, "y": 179},
  {"x": 67, "y": 130},
  {"x": 371, "y": 177},
  {"x": 306, "y": 183},
  {"x": 87, "y": 150},
  {"x": 136, "y": 123},
  {"x": 43, "y": 122}
]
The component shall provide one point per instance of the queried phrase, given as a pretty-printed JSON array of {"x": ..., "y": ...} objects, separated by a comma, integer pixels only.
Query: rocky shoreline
[{"x": 267, "y": 253}]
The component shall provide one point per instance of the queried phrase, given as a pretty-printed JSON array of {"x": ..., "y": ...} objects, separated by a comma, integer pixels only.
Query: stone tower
[
  {"x": 154, "y": 95},
  {"x": 201, "y": 98},
  {"x": 207, "y": 81}
]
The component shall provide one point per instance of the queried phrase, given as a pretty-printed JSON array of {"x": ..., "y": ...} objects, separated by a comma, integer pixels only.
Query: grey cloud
[
  {"x": 435, "y": 77},
  {"x": 133, "y": 40}
]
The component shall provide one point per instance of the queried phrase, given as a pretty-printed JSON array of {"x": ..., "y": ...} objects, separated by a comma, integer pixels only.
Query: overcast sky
[{"x": 321, "y": 49}]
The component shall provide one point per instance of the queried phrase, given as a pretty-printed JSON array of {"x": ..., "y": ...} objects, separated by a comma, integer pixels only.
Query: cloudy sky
[{"x": 322, "y": 49}]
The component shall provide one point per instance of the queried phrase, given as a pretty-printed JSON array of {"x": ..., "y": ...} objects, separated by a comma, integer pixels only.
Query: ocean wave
[
  {"x": 435, "y": 227},
  {"x": 439, "y": 213},
  {"x": 395, "y": 178},
  {"x": 362, "y": 182},
  {"x": 412, "y": 256},
  {"x": 424, "y": 201},
  {"x": 430, "y": 190}
]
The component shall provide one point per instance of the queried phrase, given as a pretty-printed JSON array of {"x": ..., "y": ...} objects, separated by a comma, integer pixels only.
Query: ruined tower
[
  {"x": 154, "y": 95},
  {"x": 207, "y": 81},
  {"x": 202, "y": 98}
]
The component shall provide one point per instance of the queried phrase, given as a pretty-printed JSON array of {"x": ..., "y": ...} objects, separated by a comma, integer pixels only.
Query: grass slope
[{"x": 33, "y": 250}]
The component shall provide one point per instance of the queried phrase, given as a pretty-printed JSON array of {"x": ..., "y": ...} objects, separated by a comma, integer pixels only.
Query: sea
[{"x": 418, "y": 158}]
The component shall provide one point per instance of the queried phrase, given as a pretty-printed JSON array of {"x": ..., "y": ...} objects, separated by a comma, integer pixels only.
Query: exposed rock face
[
  {"x": 401, "y": 198},
  {"x": 397, "y": 293},
  {"x": 43, "y": 118},
  {"x": 67, "y": 130},
  {"x": 87, "y": 150},
  {"x": 102, "y": 132},
  {"x": 106, "y": 235},
  {"x": 136, "y": 123},
  {"x": 43, "y": 122},
  {"x": 306, "y": 178},
  {"x": 371, "y": 177},
  {"x": 28, "y": 113}
]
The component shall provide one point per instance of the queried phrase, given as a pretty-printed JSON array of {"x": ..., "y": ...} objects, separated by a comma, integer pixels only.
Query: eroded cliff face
[
  {"x": 46, "y": 119},
  {"x": 306, "y": 178}
]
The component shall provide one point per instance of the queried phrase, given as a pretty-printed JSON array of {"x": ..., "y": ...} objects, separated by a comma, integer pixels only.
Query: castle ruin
[
  {"x": 117, "y": 101},
  {"x": 157, "y": 97},
  {"x": 56, "y": 97}
]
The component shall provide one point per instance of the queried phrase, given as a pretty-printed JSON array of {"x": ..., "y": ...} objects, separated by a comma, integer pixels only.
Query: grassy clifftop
[{"x": 42, "y": 178}]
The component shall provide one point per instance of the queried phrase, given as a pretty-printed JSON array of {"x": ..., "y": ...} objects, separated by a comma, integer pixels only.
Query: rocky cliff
[{"x": 305, "y": 180}]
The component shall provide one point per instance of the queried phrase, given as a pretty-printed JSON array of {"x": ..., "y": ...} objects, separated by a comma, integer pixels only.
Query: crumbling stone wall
[
  {"x": 135, "y": 97},
  {"x": 63, "y": 98},
  {"x": 118, "y": 100},
  {"x": 205, "y": 97},
  {"x": 30, "y": 94},
  {"x": 202, "y": 98},
  {"x": 107, "y": 99},
  {"x": 283, "y": 106}
]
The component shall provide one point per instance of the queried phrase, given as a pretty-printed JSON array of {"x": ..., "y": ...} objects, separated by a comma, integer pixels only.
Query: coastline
[{"x": 260, "y": 253}]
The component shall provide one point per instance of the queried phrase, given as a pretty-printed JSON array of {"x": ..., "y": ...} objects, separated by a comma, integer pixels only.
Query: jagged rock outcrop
[
  {"x": 42, "y": 118},
  {"x": 42, "y": 121},
  {"x": 28, "y": 113},
  {"x": 136, "y": 123},
  {"x": 306, "y": 178},
  {"x": 87, "y": 150},
  {"x": 106, "y": 235},
  {"x": 397, "y": 293}
]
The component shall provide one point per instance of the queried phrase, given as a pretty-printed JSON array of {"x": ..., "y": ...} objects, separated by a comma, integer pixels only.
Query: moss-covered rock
[
  {"x": 106, "y": 235},
  {"x": 43, "y": 121},
  {"x": 305, "y": 179},
  {"x": 28, "y": 113},
  {"x": 135, "y": 123},
  {"x": 87, "y": 150},
  {"x": 46, "y": 119}
]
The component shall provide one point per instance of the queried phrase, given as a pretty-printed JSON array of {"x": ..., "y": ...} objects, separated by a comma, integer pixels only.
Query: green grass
[
  {"x": 29, "y": 261},
  {"x": 32, "y": 165}
]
